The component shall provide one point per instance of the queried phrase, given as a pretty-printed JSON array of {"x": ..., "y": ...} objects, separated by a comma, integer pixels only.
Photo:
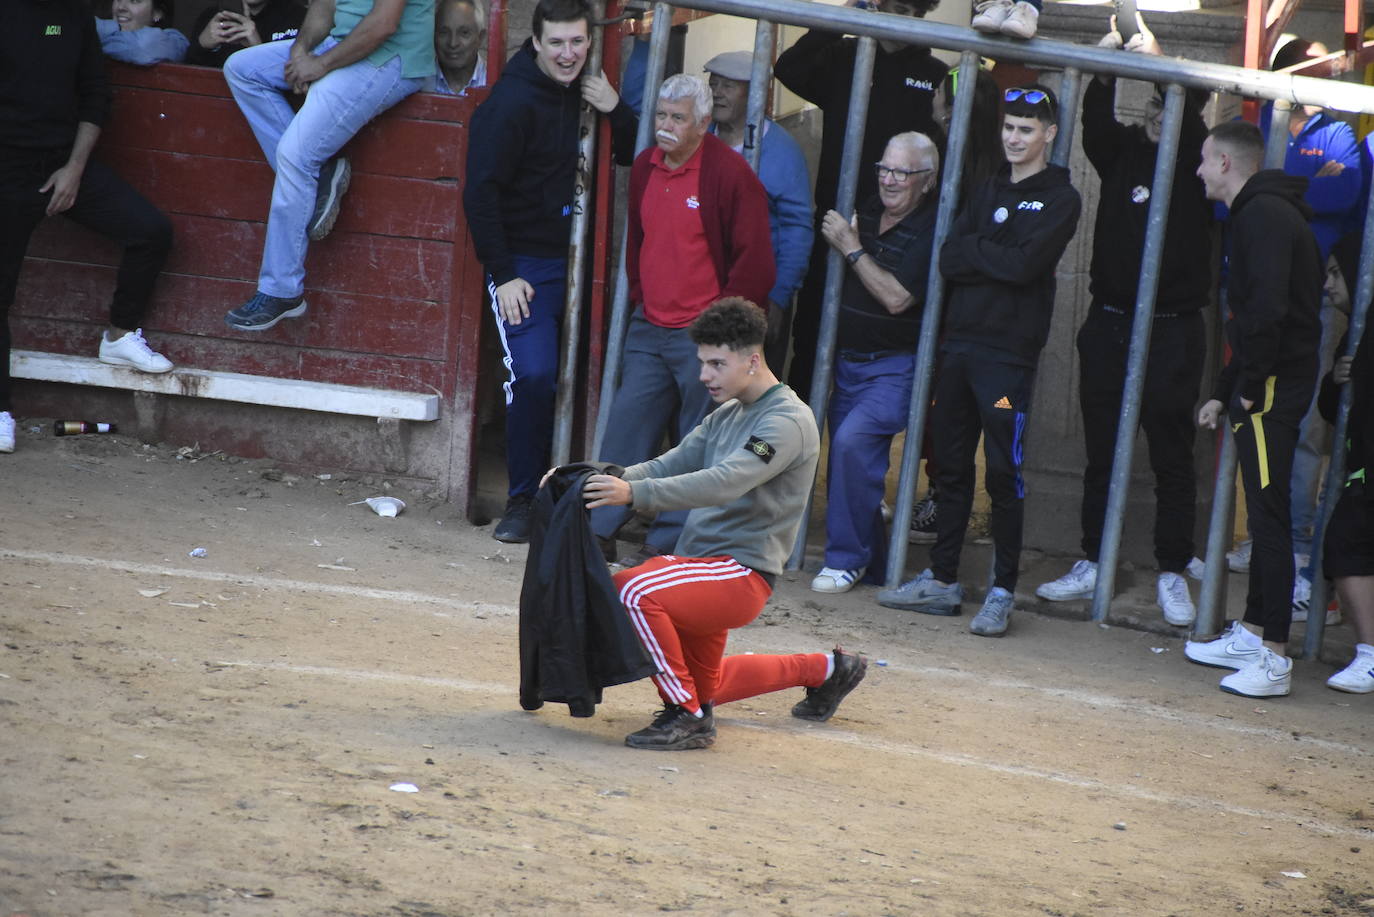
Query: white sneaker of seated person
[
  {"x": 131, "y": 349},
  {"x": 6, "y": 432},
  {"x": 834, "y": 581}
]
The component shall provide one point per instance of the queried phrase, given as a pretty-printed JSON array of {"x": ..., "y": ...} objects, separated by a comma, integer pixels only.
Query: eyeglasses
[
  {"x": 900, "y": 176},
  {"x": 1032, "y": 97}
]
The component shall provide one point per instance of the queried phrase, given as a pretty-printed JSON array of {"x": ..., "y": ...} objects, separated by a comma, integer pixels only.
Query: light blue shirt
[
  {"x": 413, "y": 40},
  {"x": 144, "y": 47}
]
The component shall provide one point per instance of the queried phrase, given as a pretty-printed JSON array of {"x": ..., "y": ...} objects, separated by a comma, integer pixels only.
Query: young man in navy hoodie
[
  {"x": 522, "y": 158},
  {"x": 999, "y": 260},
  {"x": 1274, "y": 289}
]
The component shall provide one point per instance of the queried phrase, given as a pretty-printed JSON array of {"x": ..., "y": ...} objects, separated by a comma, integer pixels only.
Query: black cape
[{"x": 575, "y": 637}]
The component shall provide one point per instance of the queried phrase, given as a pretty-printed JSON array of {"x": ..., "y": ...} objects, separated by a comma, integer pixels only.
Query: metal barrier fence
[{"x": 1074, "y": 60}]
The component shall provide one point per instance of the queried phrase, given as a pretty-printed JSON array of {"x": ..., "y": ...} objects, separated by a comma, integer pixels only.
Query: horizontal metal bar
[{"x": 1258, "y": 84}]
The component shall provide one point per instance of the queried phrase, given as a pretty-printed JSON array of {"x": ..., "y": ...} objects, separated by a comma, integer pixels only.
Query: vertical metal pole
[
  {"x": 1336, "y": 472},
  {"x": 834, "y": 276},
  {"x": 1210, "y": 611},
  {"x": 577, "y": 257},
  {"x": 620, "y": 302},
  {"x": 930, "y": 321},
  {"x": 759, "y": 77},
  {"x": 1166, "y": 160},
  {"x": 1069, "y": 94}
]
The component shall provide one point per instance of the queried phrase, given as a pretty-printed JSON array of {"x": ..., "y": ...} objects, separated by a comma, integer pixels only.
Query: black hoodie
[
  {"x": 1124, "y": 157},
  {"x": 522, "y": 163},
  {"x": 1274, "y": 289},
  {"x": 999, "y": 260}
]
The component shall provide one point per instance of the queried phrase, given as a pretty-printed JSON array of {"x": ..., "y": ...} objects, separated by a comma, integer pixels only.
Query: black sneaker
[
  {"x": 334, "y": 178},
  {"x": 675, "y": 729},
  {"x": 923, "y": 521},
  {"x": 821, "y": 703},
  {"x": 514, "y": 527},
  {"x": 263, "y": 312}
]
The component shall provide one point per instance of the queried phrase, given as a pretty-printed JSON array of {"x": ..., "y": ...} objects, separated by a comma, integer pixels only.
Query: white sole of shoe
[
  {"x": 1064, "y": 596},
  {"x": 120, "y": 361}
]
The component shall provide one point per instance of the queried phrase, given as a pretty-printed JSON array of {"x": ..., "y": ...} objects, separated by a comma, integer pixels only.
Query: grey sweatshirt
[{"x": 745, "y": 473}]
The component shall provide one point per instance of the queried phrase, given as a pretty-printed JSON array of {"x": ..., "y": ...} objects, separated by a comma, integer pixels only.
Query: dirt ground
[{"x": 223, "y": 735}]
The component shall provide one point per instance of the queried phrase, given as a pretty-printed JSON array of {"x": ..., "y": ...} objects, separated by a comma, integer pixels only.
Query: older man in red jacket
[{"x": 698, "y": 231}]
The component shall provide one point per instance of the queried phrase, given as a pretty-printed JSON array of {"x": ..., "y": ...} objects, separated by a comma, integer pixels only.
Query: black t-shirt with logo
[{"x": 903, "y": 251}]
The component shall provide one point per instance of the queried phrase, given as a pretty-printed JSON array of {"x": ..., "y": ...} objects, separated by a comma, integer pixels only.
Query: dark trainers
[
  {"x": 821, "y": 703},
  {"x": 334, "y": 178},
  {"x": 675, "y": 729},
  {"x": 923, "y": 521},
  {"x": 514, "y": 527},
  {"x": 263, "y": 311}
]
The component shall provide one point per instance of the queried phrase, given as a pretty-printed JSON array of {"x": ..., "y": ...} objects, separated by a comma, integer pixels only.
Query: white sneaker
[
  {"x": 1234, "y": 649},
  {"x": 990, "y": 14},
  {"x": 1239, "y": 559},
  {"x": 1358, "y": 677},
  {"x": 1021, "y": 21},
  {"x": 132, "y": 350},
  {"x": 6, "y": 432},
  {"x": 1269, "y": 675},
  {"x": 1078, "y": 583},
  {"x": 833, "y": 581},
  {"x": 1197, "y": 568},
  {"x": 1171, "y": 591},
  {"x": 1302, "y": 602}
]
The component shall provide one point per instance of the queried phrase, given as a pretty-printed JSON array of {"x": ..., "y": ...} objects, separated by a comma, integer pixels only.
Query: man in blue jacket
[
  {"x": 782, "y": 169},
  {"x": 521, "y": 176}
]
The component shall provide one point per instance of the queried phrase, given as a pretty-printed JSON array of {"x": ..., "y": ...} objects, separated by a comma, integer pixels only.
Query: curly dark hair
[{"x": 732, "y": 322}]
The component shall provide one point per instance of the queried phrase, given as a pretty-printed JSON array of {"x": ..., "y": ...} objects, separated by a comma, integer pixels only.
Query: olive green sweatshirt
[{"x": 745, "y": 473}]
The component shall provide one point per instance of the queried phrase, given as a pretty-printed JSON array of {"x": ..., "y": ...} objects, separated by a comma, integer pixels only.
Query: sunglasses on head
[{"x": 1031, "y": 97}]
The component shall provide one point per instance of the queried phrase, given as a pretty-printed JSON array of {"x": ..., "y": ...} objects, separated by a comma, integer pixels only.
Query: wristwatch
[{"x": 854, "y": 256}]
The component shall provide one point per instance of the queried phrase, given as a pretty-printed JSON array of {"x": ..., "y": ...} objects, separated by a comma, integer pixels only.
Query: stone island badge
[
  {"x": 1140, "y": 194},
  {"x": 761, "y": 449},
  {"x": 1000, "y": 215}
]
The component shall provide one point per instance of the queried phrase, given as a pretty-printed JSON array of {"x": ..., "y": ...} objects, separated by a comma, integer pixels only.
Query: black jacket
[
  {"x": 52, "y": 74},
  {"x": 999, "y": 259},
  {"x": 575, "y": 637},
  {"x": 1274, "y": 288},
  {"x": 820, "y": 69},
  {"x": 522, "y": 163},
  {"x": 1125, "y": 160},
  {"x": 277, "y": 21},
  {"x": 1359, "y": 433}
]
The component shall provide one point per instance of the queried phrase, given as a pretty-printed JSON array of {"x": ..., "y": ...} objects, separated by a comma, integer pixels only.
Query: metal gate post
[
  {"x": 1166, "y": 161},
  {"x": 620, "y": 302},
  {"x": 835, "y": 266},
  {"x": 1069, "y": 85},
  {"x": 930, "y": 321},
  {"x": 759, "y": 77},
  {"x": 577, "y": 257},
  {"x": 1335, "y": 472}
]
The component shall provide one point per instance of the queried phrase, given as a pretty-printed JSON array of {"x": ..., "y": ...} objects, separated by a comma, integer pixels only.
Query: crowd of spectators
[{"x": 703, "y": 226}]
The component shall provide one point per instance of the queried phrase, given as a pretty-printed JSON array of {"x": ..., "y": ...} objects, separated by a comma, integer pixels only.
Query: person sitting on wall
[
  {"x": 888, "y": 250},
  {"x": 132, "y": 35},
  {"x": 352, "y": 60},
  {"x": 460, "y": 40},
  {"x": 54, "y": 98},
  {"x": 237, "y": 24}
]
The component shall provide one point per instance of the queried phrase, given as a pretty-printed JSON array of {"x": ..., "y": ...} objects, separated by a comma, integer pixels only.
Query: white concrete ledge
[{"x": 223, "y": 386}]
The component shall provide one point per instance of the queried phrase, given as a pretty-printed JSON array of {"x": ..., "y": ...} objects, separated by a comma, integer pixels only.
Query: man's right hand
[
  {"x": 1340, "y": 372},
  {"x": 1209, "y": 414},
  {"x": 513, "y": 299}
]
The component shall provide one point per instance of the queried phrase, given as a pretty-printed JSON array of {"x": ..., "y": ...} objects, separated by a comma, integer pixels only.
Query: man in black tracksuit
[
  {"x": 521, "y": 178},
  {"x": 1274, "y": 290},
  {"x": 819, "y": 67},
  {"x": 999, "y": 260},
  {"x": 1124, "y": 157}
]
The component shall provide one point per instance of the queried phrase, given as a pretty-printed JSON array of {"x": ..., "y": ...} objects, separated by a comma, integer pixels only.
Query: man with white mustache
[{"x": 698, "y": 232}]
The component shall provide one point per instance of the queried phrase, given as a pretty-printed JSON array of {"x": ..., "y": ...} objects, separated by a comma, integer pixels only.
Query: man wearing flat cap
[{"x": 782, "y": 169}]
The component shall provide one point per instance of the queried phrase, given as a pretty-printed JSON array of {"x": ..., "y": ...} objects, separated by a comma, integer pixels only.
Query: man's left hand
[
  {"x": 607, "y": 490},
  {"x": 597, "y": 92},
  {"x": 64, "y": 183},
  {"x": 302, "y": 70},
  {"x": 1330, "y": 167},
  {"x": 839, "y": 232}
]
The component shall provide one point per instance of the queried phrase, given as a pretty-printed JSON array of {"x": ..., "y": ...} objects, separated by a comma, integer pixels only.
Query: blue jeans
[
  {"x": 868, "y": 407},
  {"x": 297, "y": 144},
  {"x": 660, "y": 391},
  {"x": 531, "y": 361}
]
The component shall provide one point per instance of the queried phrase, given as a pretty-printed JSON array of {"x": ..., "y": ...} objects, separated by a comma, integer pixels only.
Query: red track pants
[{"x": 683, "y": 609}]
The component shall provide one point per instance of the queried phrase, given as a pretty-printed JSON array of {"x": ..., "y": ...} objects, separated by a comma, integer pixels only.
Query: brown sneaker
[
  {"x": 821, "y": 703},
  {"x": 676, "y": 729}
]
